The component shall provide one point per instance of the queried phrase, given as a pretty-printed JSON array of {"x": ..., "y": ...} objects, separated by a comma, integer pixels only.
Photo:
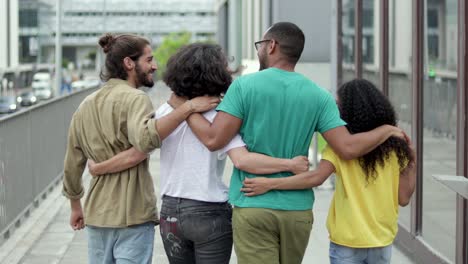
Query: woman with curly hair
[
  {"x": 363, "y": 215},
  {"x": 195, "y": 222}
]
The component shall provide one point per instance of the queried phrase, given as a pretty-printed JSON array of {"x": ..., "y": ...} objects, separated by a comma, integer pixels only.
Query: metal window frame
[
  {"x": 417, "y": 116},
  {"x": 358, "y": 38},
  {"x": 8, "y": 34},
  {"x": 462, "y": 131},
  {"x": 383, "y": 43},
  {"x": 412, "y": 239},
  {"x": 339, "y": 43}
]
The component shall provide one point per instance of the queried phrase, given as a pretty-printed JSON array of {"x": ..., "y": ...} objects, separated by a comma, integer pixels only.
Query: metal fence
[{"x": 32, "y": 149}]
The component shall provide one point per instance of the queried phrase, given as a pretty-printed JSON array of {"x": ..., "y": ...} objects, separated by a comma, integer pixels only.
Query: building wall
[
  {"x": 3, "y": 34},
  {"x": 14, "y": 28},
  {"x": 84, "y": 21},
  {"x": 8, "y": 33},
  {"x": 312, "y": 16},
  {"x": 258, "y": 15},
  {"x": 222, "y": 26},
  {"x": 400, "y": 58}
]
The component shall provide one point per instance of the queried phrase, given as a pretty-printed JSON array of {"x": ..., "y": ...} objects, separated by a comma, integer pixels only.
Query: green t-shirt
[{"x": 280, "y": 111}]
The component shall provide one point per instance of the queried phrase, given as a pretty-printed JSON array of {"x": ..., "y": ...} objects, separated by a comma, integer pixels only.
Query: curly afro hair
[
  {"x": 198, "y": 69},
  {"x": 364, "y": 108}
]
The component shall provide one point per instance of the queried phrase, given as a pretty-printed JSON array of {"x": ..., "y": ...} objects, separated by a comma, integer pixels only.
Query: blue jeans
[
  {"x": 195, "y": 231},
  {"x": 347, "y": 255},
  {"x": 128, "y": 245}
]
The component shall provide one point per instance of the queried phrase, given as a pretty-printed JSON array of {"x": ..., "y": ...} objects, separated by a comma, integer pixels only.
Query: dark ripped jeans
[{"x": 195, "y": 231}]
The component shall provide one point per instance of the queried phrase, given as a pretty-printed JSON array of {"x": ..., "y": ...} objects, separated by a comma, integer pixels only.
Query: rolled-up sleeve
[
  {"x": 74, "y": 164},
  {"x": 141, "y": 124}
]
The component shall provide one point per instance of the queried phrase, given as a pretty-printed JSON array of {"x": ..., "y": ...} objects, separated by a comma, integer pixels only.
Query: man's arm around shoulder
[
  {"x": 350, "y": 146},
  {"x": 218, "y": 134}
]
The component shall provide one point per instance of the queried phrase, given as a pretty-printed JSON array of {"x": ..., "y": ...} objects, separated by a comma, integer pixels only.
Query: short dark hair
[
  {"x": 198, "y": 69},
  {"x": 363, "y": 107},
  {"x": 290, "y": 38},
  {"x": 116, "y": 48}
]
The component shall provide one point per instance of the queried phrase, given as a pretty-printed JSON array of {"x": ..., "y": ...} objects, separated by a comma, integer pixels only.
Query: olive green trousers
[{"x": 267, "y": 236}]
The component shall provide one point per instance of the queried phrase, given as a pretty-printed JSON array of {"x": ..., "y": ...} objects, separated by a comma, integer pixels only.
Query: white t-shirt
[{"x": 188, "y": 169}]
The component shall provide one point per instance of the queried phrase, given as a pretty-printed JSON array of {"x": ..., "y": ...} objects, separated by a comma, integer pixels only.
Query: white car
[{"x": 42, "y": 86}]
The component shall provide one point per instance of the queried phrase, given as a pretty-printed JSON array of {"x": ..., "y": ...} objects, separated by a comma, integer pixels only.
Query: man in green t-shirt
[{"x": 276, "y": 111}]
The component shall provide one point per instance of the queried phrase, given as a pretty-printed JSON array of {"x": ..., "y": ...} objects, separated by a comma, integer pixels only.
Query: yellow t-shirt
[{"x": 363, "y": 215}]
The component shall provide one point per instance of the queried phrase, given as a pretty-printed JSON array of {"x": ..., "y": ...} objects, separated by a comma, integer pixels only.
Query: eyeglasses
[{"x": 259, "y": 43}]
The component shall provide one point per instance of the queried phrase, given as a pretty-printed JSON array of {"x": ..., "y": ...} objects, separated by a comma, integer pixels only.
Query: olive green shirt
[{"x": 111, "y": 120}]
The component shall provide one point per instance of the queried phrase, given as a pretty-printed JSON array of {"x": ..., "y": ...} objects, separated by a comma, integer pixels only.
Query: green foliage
[
  {"x": 209, "y": 40},
  {"x": 321, "y": 144},
  {"x": 91, "y": 55},
  {"x": 168, "y": 47},
  {"x": 65, "y": 62}
]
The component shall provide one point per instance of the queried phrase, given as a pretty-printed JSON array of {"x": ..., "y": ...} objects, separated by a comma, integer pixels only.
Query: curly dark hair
[
  {"x": 198, "y": 69},
  {"x": 364, "y": 108}
]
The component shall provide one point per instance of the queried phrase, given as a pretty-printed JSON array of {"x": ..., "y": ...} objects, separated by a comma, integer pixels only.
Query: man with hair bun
[{"x": 120, "y": 210}]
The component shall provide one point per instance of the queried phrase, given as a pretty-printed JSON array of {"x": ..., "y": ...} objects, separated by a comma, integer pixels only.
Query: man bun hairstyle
[
  {"x": 117, "y": 48},
  {"x": 106, "y": 41}
]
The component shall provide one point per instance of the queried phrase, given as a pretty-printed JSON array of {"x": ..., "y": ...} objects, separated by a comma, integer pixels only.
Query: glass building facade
[{"x": 415, "y": 51}]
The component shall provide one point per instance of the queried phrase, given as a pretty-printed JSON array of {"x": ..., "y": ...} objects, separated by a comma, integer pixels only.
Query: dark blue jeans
[{"x": 195, "y": 231}]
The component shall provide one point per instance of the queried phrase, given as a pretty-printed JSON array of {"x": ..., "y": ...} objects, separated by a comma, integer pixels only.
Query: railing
[{"x": 32, "y": 149}]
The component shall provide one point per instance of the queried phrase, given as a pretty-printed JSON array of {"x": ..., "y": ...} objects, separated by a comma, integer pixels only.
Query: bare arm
[
  {"x": 146, "y": 133},
  {"x": 256, "y": 163},
  {"x": 76, "y": 216},
  {"x": 214, "y": 135},
  {"x": 165, "y": 126},
  {"x": 74, "y": 165},
  {"x": 306, "y": 180},
  {"x": 407, "y": 181},
  {"x": 350, "y": 146},
  {"x": 122, "y": 161},
  {"x": 168, "y": 123}
]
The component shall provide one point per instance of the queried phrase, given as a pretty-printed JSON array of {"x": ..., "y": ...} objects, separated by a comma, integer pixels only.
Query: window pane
[
  {"x": 371, "y": 40},
  {"x": 440, "y": 119},
  {"x": 399, "y": 78},
  {"x": 348, "y": 40}
]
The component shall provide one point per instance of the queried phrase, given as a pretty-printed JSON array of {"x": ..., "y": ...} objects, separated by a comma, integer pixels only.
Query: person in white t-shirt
[{"x": 195, "y": 222}]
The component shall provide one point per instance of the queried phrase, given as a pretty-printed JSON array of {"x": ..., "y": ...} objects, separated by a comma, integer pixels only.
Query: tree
[
  {"x": 92, "y": 56},
  {"x": 168, "y": 47}
]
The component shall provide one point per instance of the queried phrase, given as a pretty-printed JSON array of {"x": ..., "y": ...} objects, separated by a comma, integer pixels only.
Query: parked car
[
  {"x": 26, "y": 99},
  {"x": 42, "y": 86},
  {"x": 8, "y": 104}
]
